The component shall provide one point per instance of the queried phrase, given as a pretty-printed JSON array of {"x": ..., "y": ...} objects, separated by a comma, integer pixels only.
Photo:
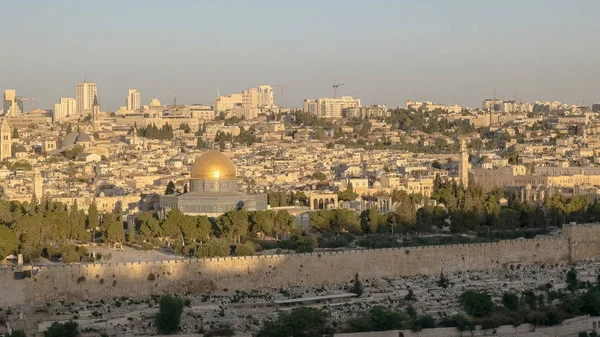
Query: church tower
[
  {"x": 95, "y": 113},
  {"x": 5, "y": 140},
  {"x": 463, "y": 165}
]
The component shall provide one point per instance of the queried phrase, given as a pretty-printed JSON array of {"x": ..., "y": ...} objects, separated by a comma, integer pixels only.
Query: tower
[
  {"x": 38, "y": 184},
  {"x": 95, "y": 113},
  {"x": 463, "y": 165},
  {"x": 5, "y": 140}
]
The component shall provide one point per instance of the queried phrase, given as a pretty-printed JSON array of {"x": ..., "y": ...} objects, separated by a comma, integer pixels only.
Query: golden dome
[{"x": 212, "y": 165}]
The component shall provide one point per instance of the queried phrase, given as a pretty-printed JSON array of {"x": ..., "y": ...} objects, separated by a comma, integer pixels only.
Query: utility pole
[{"x": 335, "y": 88}]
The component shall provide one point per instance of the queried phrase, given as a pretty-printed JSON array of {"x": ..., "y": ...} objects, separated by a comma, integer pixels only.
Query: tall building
[
  {"x": 5, "y": 140},
  {"x": 133, "y": 100},
  {"x": 463, "y": 164},
  {"x": 13, "y": 105},
  {"x": 330, "y": 107},
  {"x": 85, "y": 93},
  {"x": 265, "y": 94},
  {"x": 250, "y": 99},
  {"x": 67, "y": 107}
]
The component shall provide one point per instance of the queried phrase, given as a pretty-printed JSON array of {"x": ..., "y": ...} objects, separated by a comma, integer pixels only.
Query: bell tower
[
  {"x": 95, "y": 113},
  {"x": 5, "y": 140}
]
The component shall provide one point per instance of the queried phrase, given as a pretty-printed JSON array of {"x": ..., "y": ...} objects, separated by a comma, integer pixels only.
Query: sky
[{"x": 385, "y": 51}]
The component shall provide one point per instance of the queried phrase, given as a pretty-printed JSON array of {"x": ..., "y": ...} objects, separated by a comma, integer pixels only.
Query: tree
[
  {"x": 170, "y": 188},
  {"x": 200, "y": 143},
  {"x": 15, "y": 133},
  {"x": 69, "y": 129},
  {"x": 185, "y": 189},
  {"x": 9, "y": 243},
  {"x": 299, "y": 322},
  {"x": 169, "y": 315},
  {"x": 477, "y": 304},
  {"x": 443, "y": 282},
  {"x": 510, "y": 301},
  {"x": 17, "y": 333},
  {"x": 348, "y": 194},
  {"x": 93, "y": 217},
  {"x": 357, "y": 287},
  {"x": 234, "y": 224},
  {"x": 67, "y": 329},
  {"x": 572, "y": 282},
  {"x": 113, "y": 230},
  {"x": 320, "y": 176}
]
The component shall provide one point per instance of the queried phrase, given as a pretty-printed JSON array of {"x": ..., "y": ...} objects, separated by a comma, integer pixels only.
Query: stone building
[{"x": 213, "y": 189}]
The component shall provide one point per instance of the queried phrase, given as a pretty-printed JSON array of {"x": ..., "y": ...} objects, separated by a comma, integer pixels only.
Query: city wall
[{"x": 97, "y": 281}]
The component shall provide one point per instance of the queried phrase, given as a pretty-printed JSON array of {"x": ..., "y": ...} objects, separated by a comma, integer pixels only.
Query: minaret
[
  {"x": 463, "y": 165},
  {"x": 95, "y": 113},
  {"x": 5, "y": 140},
  {"x": 38, "y": 184}
]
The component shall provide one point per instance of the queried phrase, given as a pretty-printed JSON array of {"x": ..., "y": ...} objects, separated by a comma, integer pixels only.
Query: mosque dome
[
  {"x": 155, "y": 102},
  {"x": 74, "y": 138},
  {"x": 213, "y": 165}
]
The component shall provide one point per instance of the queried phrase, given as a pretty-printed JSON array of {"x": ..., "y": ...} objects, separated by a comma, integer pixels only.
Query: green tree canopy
[{"x": 169, "y": 315}]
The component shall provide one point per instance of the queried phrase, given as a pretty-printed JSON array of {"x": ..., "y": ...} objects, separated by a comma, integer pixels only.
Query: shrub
[
  {"x": 223, "y": 331},
  {"x": 151, "y": 277},
  {"x": 68, "y": 329},
  {"x": 424, "y": 322},
  {"x": 245, "y": 249},
  {"x": 583, "y": 334},
  {"x": 357, "y": 287},
  {"x": 463, "y": 324},
  {"x": 169, "y": 314},
  {"x": 81, "y": 279},
  {"x": 307, "y": 244}
]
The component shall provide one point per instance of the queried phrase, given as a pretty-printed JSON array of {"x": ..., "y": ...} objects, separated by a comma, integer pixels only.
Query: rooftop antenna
[
  {"x": 218, "y": 93},
  {"x": 84, "y": 75}
]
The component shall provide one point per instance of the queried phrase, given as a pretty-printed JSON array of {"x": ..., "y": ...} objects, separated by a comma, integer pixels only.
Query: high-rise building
[
  {"x": 85, "y": 94},
  {"x": 266, "y": 98},
  {"x": 13, "y": 105},
  {"x": 67, "y": 107},
  {"x": 133, "y": 100},
  {"x": 330, "y": 107},
  {"x": 249, "y": 99}
]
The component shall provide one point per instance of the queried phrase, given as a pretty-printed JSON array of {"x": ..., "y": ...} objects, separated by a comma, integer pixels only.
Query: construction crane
[
  {"x": 32, "y": 99},
  {"x": 282, "y": 87},
  {"x": 335, "y": 87}
]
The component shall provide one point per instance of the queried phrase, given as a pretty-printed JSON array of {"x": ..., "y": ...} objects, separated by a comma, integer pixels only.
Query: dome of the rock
[{"x": 213, "y": 165}]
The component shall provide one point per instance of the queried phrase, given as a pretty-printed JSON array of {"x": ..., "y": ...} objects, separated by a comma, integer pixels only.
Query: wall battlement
[{"x": 140, "y": 279}]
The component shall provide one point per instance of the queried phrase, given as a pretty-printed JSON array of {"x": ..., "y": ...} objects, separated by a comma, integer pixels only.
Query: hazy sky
[{"x": 385, "y": 51}]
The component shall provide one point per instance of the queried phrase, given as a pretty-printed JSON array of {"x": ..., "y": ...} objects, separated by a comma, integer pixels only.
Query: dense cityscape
[{"x": 260, "y": 214}]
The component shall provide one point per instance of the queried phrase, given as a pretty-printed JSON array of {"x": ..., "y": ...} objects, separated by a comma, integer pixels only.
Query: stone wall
[
  {"x": 97, "y": 281},
  {"x": 569, "y": 327}
]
